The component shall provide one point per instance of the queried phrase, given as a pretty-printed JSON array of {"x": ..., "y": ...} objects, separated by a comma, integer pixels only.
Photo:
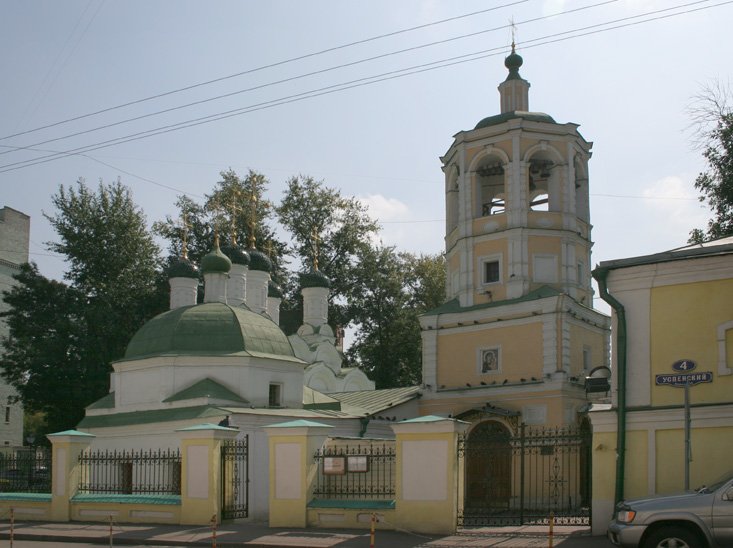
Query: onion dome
[
  {"x": 209, "y": 329},
  {"x": 215, "y": 261},
  {"x": 236, "y": 254},
  {"x": 274, "y": 290},
  {"x": 183, "y": 268},
  {"x": 513, "y": 62},
  {"x": 314, "y": 278},
  {"x": 259, "y": 261}
]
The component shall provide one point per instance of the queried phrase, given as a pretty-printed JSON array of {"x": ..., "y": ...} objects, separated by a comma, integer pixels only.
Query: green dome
[
  {"x": 513, "y": 62},
  {"x": 236, "y": 254},
  {"x": 273, "y": 290},
  {"x": 259, "y": 261},
  {"x": 501, "y": 118},
  {"x": 314, "y": 278},
  {"x": 183, "y": 268},
  {"x": 208, "y": 329},
  {"x": 215, "y": 261}
]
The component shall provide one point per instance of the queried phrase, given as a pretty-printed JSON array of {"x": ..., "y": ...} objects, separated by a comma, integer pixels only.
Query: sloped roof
[
  {"x": 105, "y": 402},
  {"x": 206, "y": 388},
  {"x": 375, "y": 401},
  {"x": 722, "y": 246},
  {"x": 148, "y": 417},
  {"x": 453, "y": 306}
]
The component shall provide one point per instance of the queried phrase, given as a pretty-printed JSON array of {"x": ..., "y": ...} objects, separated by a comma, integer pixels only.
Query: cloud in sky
[{"x": 403, "y": 229}]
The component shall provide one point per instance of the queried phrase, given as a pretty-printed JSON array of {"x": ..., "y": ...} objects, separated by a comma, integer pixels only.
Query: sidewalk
[{"x": 255, "y": 535}]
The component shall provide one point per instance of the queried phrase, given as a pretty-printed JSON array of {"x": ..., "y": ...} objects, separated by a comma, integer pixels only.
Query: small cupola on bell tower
[{"x": 514, "y": 91}]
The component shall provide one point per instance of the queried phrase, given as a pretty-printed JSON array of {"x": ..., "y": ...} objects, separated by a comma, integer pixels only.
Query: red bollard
[
  {"x": 12, "y": 526},
  {"x": 371, "y": 534}
]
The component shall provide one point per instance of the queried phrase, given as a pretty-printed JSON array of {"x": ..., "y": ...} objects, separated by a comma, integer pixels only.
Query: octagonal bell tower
[{"x": 517, "y": 203}]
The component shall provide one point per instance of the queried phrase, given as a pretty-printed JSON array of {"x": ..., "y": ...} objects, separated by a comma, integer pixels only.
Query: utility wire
[
  {"x": 549, "y": 39},
  {"x": 263, "y": 67},
  {"x": 305, "y": 75}
]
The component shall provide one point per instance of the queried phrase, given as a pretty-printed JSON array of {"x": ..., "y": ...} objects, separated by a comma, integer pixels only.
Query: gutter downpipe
[{"x": 600, "y": 275}]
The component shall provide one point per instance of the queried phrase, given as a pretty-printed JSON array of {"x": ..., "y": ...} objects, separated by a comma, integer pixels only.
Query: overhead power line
[
  {"x": 552, "y": 38},
  {"x": 263, "y": 67},
  {"x": 308, "y": 74}
]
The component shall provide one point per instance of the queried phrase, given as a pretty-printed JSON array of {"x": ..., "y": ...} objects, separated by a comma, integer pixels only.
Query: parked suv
[{"x": 699, "y": 519}]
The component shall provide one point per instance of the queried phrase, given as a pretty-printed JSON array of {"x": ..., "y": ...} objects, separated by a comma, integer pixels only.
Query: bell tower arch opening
[{"x": 490, "y": 187}]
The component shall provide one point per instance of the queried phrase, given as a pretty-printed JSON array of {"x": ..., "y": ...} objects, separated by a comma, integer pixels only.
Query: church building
[{"x": 518, "y": 334}]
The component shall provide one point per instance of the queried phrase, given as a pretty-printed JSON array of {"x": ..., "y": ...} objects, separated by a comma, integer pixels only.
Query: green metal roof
[
  {"x": 722, "y": 246},
  {"x": 375, "y": 401},
  {"x": 505, "y": 116},
  {"x": 209, "y": 329},
  {"x": 206, "y": 388},
  {"x": 207, "y": 426},
  {"x": 105, "y": 402},
  {"x": 148, "y": 417},
  {"x": 453, "y": 306}
]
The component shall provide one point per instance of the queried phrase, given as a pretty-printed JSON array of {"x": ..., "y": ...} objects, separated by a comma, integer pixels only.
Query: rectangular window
[
  {"x": 274, "y": 399},
  {"x": 7, "y": 415},
  {"x": 491, "y": 272}
]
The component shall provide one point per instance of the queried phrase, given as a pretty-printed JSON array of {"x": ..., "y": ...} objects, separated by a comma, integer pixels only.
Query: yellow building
[
  {"x": 517, "y": 337},
  {"x": 673, "y": 324}
]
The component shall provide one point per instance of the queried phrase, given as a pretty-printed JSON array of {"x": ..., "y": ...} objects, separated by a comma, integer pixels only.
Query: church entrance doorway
[{"x": 525, "y": 476}]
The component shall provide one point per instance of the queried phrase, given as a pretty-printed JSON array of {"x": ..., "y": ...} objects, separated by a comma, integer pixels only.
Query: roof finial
[
  {"x": 514, "y": 30},
  {"x": 252, "y": 239},
  {"x": 184, "y": 236},
  {"x": 316, "y": 239}
]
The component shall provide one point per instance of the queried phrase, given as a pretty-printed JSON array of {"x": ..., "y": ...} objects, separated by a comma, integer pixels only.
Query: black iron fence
[
  {"x": 363, "y": 470},
  {"x": 26, "y": 470},
  {"x": 130, "y": 472},
  {"x": 235, "y": 478},
  {"x": 526, "y": 476}
]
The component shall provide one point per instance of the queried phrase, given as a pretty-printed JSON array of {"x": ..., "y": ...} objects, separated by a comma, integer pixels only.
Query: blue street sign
[
  {"x": 682, "y": 379},
  {"x": 684, "y": 365}
]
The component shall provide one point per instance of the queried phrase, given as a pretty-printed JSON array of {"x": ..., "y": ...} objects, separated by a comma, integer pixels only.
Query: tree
[
  {"x": 64, "y": 337},
  {"x": 391, "y": 291},
  {"x": 230, "y": 210},
  {"x": 319, "y": 219},
  {"x": 712, "y": 116},
  {"x": 44, "y": 357}
]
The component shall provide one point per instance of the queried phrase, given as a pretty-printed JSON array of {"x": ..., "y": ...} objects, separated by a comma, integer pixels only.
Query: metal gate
[
  {"x": 524, "y": 477},
  {"x": 234, "y": 478}
]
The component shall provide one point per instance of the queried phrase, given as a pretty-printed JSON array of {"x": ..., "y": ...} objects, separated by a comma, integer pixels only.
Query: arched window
[
  {"x": 490, "y": 188},
  {"x": 540, "y": 173}
]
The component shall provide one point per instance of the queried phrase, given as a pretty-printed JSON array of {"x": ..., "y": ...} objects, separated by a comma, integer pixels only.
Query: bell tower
[
  {"x": 518, "y": 333},
  {"x": 517, "y": 204}
]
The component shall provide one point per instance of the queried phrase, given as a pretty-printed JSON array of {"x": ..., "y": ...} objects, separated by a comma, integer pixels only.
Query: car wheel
[{"x": 673, "y": 537}]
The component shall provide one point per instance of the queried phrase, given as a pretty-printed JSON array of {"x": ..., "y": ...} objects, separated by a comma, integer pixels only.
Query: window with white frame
[{"x": 490, "y": 269}]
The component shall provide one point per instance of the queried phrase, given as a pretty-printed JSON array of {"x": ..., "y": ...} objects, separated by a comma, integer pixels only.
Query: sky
[{"x": 364, "y": 95}]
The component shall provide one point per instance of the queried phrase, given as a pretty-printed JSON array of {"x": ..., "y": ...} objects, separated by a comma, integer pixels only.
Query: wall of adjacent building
[
  {"x": 14, "y": 242},
  {"x": 676, "y": 310}
]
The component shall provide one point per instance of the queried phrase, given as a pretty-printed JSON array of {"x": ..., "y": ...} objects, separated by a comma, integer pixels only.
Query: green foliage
[
  {"x": 343, "y": 229},
  {"x": 229, "y": 210},
  {"x": 63, "y": 337},
  {"x": 714, "y": 121},
  {"x": 45, "y": 358},
  {"x": 391, "y": 290}
]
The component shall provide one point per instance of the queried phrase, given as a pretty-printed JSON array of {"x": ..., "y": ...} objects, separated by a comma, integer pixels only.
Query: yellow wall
[
  {"x": 580, "y": 338},
  {"x": 521, "y": 354},
  {"x": 684, "y": 322}
]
